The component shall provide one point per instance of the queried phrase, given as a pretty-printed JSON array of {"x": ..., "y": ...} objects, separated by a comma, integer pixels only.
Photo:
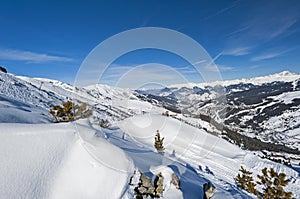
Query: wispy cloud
[
  {"x": 284, "y": 26},
  {"x": 218, "y": 68},
  {"x": 270, "y": 55},
  {"x": 28, "y": 56},
  {"x": 269, "y": 21},
  {"x": 223, "y": 10},
  {"x": 142, "y": 75},
  {"x": 238, "y": 51},
  {"x": 266, "y": 26},
  {"x": 225, "y": 68},
  {"x": 238, "y": 31},
  {"x": 254, "y": 66},
  {"x": 267, "y": 56}
]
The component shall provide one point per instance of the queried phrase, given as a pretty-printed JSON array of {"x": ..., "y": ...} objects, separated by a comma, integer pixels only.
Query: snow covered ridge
[
  {"x": 284, "y": 76},
  {"x": 107, "y": 102}
]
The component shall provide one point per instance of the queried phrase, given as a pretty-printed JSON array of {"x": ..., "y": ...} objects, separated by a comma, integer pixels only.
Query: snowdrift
[{"x": 51, "y": 161}]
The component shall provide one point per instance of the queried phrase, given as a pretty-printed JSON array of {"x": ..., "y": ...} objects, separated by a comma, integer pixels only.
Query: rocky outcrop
[
  {"x": 146, "y": 188},
  {"x": 208, "y": 190},
  {"x": 2, "y": 69},
  {"x": 175, "y": 181}
]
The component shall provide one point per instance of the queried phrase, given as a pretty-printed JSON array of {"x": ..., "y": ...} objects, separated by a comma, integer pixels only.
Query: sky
[{"x": 245, "y": 38}]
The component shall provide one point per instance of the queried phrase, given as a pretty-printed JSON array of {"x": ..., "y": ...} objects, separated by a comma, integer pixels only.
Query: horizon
[
  {"x": 244, "y": 39},
  {"x": 168, "y": 85}
]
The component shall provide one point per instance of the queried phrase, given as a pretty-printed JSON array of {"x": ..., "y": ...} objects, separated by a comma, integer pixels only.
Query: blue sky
[{"x": 246, "y": 38}]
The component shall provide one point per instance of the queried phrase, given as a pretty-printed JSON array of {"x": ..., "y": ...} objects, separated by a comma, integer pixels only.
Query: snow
[
  {"x": 284, "y": 76},
  {"x": 214, "y": 158},
  {"x": 83, "y": 160},
  {"x": 287, "y": 98},
  {"x": 170, "y": 190},
  {"x": 51, "y": 161},
  {"x": 20, "y": 112}
]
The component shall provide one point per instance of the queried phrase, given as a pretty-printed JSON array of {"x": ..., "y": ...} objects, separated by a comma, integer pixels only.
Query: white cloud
[
  {"x": 225, "y": 68},
  {"x": 155, "y": 73},
  {"x": 19, "y": 55},
  {"x": 265, "y": 56},
  {"x": 218, "y": 68},
  {"x": 238, "y": 31},
  {"x": 223, "y": 10},
  {"x": 271, "y": 55},
  {"x": 285, "y": 25},
  {"x": 238, "y": 51}
]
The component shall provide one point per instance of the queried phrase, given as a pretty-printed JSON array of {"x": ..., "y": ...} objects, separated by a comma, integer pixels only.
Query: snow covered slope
[
  {"x": 266, "y": 108},
  {"x": 211, "y": 157},
  {"x": 107, "y": 102},
  {"x": 83, "y": 160},
  {"x": 51, "y": 161},
  {"x": 13, "y": 111}
]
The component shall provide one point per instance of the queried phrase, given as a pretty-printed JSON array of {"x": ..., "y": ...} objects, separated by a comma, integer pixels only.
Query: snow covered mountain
[
  {"x": 264, "y": 108},
  {"x": 107, "y": 102},
  {"x": 41, "y": 159}
]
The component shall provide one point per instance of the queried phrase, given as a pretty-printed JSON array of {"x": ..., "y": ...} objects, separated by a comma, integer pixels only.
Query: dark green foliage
[
  {"x": 159, "y": 143},
  {"x": 246, "y": 182},
  {"x": 68, "y": 112},
  {"x": 272, "y": 184}
]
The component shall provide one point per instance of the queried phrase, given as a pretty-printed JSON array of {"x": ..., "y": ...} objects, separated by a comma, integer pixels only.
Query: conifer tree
[
  {"x": 246, "y": 182},
  {"x": 273, "y": 185},
  {"x": 68, "y": 112},
  {"x": 159, "y": 142}
]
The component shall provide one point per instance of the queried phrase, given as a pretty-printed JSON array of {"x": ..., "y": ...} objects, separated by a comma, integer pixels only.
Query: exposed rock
[
  {"x": 2, "y": 69},
  {"x": 146, "y": 188},
  {"x": 146, "y": 181},
  {"x": 208, "y": 190},
  {"x": 159, "y": 184},
  {"x": 175, "y": 181}
]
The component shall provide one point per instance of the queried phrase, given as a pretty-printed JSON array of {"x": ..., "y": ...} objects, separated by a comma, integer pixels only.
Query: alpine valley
[{"x": 210, "y": 130}]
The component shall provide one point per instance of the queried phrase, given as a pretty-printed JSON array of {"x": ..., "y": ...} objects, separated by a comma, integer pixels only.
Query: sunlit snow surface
[{"x": 82, "y": 160}]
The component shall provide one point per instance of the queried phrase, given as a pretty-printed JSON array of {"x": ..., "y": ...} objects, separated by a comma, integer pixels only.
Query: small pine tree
[
  {"x": 159, "y": 142},
  {"x": 245, "y": 181},
  {"x": 68, "y": 112},
  {"x": 273, "y": 185}
]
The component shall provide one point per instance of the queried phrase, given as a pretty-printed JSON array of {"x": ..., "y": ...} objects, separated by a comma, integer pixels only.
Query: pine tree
[
  {"x": 273, "y": 185},
  {"x": 246, "y": 182},
  {"x": 159, "y": 142},
  {"x": 68, "y": 112}
]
